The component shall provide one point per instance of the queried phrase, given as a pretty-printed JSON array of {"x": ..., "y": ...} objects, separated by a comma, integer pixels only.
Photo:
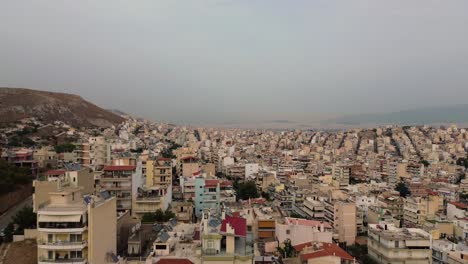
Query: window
[
  {"x": 50, "y": 254},
  {"x": 162, "y": 247},
  {"x": 288, "y": 232},
  {"x": 76, "y": 254},
  {"x": 397, "y": 244}
]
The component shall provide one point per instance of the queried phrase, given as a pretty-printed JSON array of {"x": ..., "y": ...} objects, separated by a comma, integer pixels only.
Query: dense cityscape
[{"x": 144, "y": 192}]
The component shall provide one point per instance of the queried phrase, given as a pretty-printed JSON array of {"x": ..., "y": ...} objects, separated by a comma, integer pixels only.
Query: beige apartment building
[
  {"x": 117, "y": 179},
  {"x": 342, "y": 216},
  {"x": 93, "y": 153},
  {"x": 157, "y": 191},
  {"x": 417, "y": 210},
  {"x": 55, "y": 180},
  {"x": 73, "y": 229},
  {"x": 389, "y": 244}
]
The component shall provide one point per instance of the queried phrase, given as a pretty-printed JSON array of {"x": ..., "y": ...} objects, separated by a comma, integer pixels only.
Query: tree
[
  {"x": 11, "y": 176},
  {"x": 425, "y": 163},
  {"x": 158, "y": 216},
  {"x": 287, "y": 251},
  {"x": 266, "y": 195},
  {"x": 67, "y": 147},
  {"x": 246, "y": 190},
  {"x": 403, "y": 189},
  {"x": 25, "y": 218}
]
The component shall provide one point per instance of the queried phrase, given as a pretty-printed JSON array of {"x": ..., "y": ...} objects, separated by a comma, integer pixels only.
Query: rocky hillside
[{"x": 16, "y": 104}]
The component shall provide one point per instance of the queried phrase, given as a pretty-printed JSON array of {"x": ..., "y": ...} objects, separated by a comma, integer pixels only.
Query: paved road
[{"x": 6, "y": 218}]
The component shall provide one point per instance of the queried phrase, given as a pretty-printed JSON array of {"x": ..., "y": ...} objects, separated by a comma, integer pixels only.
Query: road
[{"x": 6, "y": 218}]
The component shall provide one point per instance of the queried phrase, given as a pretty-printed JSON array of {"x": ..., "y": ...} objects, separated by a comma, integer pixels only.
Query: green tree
[
  {"x": 246, "y": 190},
  {"x": 287, "y": 251},
  {"x": 67, "y": 147},
  {"x": 403, "y": 189},
  {"x": 425, "y": 163},
  {"x": 25, "y": 218},
  {"x": 11, "y": 176},
  {"x": 266, "y": 196},
  {"x": 159, "y": 216}
]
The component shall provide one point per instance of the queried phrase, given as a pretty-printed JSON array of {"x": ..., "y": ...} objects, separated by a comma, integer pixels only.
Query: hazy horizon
[{"x": 226, "y": 61}]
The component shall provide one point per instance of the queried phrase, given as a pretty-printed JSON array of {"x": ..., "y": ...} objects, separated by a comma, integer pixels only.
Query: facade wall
[{"x": 102, "y": 230}]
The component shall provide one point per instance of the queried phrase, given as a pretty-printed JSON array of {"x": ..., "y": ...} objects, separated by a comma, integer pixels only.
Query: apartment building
[
  {"x": 417, "y": 210},
  {"x": 54, "y": 180},
  {"x": 314, "y": 209},
  {"x": 302, "y": 231},
  {"x": 117, "y": 180},
  {"x": 225, "y": 239},
  {"x": 157, "y": 190},
  {"x": 392, "y": 202},
  {"x": 389, "y": 244},
  {"x": 341, "y": 175},
  {"x": 95, "y": 152},
  {"x": 183, "y": 211},
  {"x": 210, "y": 193},
  {"x": 342, "y": 216},
  {"x": 457, "y": 210},
  {"x": 73, "y": 229}
]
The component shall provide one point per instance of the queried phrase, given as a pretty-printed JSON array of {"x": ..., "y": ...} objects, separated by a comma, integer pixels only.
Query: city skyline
[{"x": 240, "y": 61}]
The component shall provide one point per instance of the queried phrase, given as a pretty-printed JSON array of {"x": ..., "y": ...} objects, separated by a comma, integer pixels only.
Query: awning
[{"x": 59, "y": 218}]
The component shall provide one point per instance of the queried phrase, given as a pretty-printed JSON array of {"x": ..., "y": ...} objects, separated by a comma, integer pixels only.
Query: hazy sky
[{"x": 239, "y": 60}]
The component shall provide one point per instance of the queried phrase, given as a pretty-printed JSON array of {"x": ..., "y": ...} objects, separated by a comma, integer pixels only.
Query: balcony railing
[
  {"x": 61, "y": 225},
  {"x": 67, "y": 260},
  {"x": 63, "y": 243}
]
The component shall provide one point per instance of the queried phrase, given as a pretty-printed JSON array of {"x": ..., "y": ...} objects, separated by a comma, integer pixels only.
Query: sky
[{"x": 228, "y": 61}]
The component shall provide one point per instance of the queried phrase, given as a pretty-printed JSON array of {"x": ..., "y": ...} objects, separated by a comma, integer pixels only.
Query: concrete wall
[{"x": 102, "y": 230}]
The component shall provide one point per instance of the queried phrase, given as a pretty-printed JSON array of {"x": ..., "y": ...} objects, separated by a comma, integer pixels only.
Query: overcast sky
[{"x": 240, "y": 60}]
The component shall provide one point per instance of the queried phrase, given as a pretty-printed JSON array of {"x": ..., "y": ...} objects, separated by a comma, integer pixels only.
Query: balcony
[
  {"x": 116, "y": 188},
  {"x": 50, "y": 227},
  {"x": 63, "y": 261},
  {"x": 154, "y": 199},
  {"x": 62, "y": 245},
  {"x": 115, "y": 179}
]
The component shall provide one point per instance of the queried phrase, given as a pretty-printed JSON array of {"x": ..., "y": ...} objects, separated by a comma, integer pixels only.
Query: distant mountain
[
  {"x": 427, "y": 115},
  {"x": 18, "y": 103}
]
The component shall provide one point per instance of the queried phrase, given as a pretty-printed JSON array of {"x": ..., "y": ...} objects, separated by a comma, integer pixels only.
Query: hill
[{"x": 19, "y": 103}]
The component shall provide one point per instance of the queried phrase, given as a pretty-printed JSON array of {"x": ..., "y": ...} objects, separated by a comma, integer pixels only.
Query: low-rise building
[{"x": 389, "y": 244}]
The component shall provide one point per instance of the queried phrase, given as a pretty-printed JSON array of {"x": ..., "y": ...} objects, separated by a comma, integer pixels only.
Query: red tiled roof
[
  {"x": 239, "y": 225},
  {"x": 226, "y": 183},
  {"x": 328, "y": 249},
  {"x": 188, "y": 158},
  {"x": 211, "y": 183},
  {"x": 174, "y": 261},
  {"x": 460, "y": 205},
  {"x": 55, "y": 172},
  {"x": 300, "y": 247},
  {"x": 120, "y": 168}
]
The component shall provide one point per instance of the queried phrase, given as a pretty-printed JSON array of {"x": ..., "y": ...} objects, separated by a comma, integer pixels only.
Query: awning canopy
[{"x": 59, "y": 218}]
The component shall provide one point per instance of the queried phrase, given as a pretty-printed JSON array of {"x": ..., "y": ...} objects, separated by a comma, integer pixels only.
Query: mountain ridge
[{"x": 19, "y": 103}]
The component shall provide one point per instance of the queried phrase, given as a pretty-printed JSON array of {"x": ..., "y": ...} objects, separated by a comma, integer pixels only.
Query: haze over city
[{"x": 220, "y": 61}]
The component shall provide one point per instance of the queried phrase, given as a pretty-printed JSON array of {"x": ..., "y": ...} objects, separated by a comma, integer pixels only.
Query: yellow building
[
  {"x": 157, "y": 192},
  {"x": 73, "y": 229}
]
